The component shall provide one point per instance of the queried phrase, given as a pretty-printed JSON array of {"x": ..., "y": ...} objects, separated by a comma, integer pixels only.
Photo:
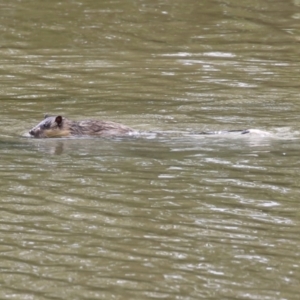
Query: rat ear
[
  {"x": 46, "y": 116},
  {"x": 58, "y": 120}
]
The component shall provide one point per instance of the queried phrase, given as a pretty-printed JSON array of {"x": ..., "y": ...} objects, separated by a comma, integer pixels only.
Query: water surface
[{"x": 178, "y": 216}]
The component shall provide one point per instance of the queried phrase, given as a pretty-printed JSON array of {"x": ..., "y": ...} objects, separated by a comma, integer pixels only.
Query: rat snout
[{"x": 33, "y": 132}]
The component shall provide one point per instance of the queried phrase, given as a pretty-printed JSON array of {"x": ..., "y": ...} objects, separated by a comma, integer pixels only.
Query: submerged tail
[{"x": 241, "y": 131}]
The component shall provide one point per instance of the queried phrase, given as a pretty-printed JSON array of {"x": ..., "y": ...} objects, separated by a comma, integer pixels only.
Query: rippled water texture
[{"x": 176, "y": 215}]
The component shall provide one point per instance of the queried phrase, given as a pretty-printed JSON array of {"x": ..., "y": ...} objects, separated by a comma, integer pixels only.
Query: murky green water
[{"x": 178, "y": 216}]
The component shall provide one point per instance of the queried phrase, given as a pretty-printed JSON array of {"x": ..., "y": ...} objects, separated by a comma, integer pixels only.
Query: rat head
[{"x": 49, "y": 127}]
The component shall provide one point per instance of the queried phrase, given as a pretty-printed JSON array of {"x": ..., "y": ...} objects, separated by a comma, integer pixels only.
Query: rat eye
[{"x": 45, "y": 126}]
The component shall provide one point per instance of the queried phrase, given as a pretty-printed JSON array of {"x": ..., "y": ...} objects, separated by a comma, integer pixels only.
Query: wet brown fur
[{"x": 54, "y": 127}]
